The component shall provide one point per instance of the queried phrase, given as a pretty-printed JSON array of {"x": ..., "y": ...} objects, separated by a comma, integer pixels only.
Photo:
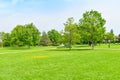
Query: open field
[{"x": 50, "y": 63}]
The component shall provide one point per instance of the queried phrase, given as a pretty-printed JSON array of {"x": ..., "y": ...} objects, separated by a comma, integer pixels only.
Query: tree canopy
[
  {"x": 54, "y": 36},
  {"x": 45, "y": 40},
  {"x": 90, "y": 29},
  {"x": 92, "y": 26},
  {"x": 23, "y": 35},
  {"x": 71, "y": 34}
]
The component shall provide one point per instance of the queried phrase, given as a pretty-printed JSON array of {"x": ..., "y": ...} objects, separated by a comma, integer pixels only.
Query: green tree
[
  {"x": 17, "y": 36},
  {"x": 1, "y": 39},
  {"x": 119, "y": 38},
  {"x": 109, "y": 37},
  {"x": 32, "y": 34},
  {"x": 92, "y": 26},
  {"x": 6, "y": 39},
  {"x": 54, "y": 36},
  {"x": 113, "y": 38},
  {"x": 45, "y": 41},
  {"x": 70, "y": 32},
  {"x": 23, "y": 35}
]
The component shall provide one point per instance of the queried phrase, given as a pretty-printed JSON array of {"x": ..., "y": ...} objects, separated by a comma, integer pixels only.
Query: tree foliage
[
  {"x": 109, "y": 36},
  {"x": 70, "y": 32},
  {"x": 89, "y": 29},
  {"x": 32, "y": 34},
  {"x": 92, "y": 26},
  {"x": 45, "y": 41},
  {"x": 5, "y": 39},
  {"x": 17, "y": 36},
  {"x": 119, "y": 38},
  {"x": 23, "y": 35},
  {"x": 54, "y": 36}
]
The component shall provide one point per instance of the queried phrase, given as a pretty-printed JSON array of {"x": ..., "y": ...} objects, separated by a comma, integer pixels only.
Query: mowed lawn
[{"x": 50, "y": 63}]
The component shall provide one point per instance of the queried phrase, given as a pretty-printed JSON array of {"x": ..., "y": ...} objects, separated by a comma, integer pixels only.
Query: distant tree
[
  {"x": 23, "y": 35},
  {"x": 113, "y": 38},
  {"x": 6, "y": 39},
  {"x": 111, "y": 31},
  {"x": 1, "y": 39},
  {"x": 17, "y": 36},
  {"x": 54, "y": 36},
  {"x": 45, "y": 41},
  {"x": 109, "y": 36},
  {"x": 71, "y": 34},
  {"x": 1, "y": 33},
  {"x": 32, "y": 34},
  {"x": 119, "y": 38},
  {"x": 92, "y": 27}
]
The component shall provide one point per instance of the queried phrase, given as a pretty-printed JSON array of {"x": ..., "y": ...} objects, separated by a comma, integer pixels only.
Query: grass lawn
[{"x": 50, "y": 63}]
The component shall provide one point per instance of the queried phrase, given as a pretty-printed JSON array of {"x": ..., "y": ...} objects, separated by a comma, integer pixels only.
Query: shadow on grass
[
  {"x": 77, "y": 46},
  {"x": 65, "y": 49},
  {"x": 18, "y": 48}
]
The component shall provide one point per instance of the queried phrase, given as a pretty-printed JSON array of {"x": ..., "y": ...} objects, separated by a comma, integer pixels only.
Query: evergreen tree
[{"x": 45, "y": 41}]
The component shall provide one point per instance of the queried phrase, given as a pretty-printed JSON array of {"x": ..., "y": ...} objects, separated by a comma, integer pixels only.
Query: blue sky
[{"x": 51, "y": 14}]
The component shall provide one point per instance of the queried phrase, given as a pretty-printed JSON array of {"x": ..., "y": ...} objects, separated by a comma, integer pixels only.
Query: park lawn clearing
[{"x": 50, "y": 63}]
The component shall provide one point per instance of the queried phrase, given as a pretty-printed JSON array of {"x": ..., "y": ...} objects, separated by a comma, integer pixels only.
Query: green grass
[{"x": 50, "y": 63}]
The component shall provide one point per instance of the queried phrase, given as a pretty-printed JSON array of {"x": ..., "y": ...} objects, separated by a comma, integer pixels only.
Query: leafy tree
[
  {"x": 92, "y": 27},
  {"x": 109, "y": 37},
  {"x": 32, "y": 34},
  {"x": 71, "y": 32},
  {"x": 112, "y": 33},
  {"x": 119, "y": 38},
  {"x": 55, "y": 37},
  {"x": 23, "y": 35},
  {"x": 1, "y": 39},
  {"x": 6, "y": 39},
  {"x": 45, "y": 41},
  {"x": 17, "y": 36}
]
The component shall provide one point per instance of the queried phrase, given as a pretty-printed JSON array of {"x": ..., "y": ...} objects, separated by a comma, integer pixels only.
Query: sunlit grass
[
  {"x": 51, "y": 63},
  {"x": 37, "y": 57}
]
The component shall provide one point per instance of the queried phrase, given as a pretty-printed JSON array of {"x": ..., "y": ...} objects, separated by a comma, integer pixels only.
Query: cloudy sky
[{"x": 51, "y": 14}]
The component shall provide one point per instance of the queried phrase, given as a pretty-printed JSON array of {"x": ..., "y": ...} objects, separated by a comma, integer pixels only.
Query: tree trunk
[
  {"x": 109, "y": 45},
  {"x": 89, "y": 43},
  {"x": 92, "y": 45},
  {"x": 99, "y": 43},
  {"x": 70, "y": 42},
  {"x": 29, "y": 46},
  {"x": 2, "y": 45}
]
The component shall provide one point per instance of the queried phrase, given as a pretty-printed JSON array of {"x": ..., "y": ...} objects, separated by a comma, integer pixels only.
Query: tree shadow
[
  {"x": 18, "y": 48},
  {"x": 69, "y": 49},
  {"x": 77, "y": 46}
]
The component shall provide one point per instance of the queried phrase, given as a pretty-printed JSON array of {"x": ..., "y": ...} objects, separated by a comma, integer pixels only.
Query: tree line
[{"x": 89, "y": 30}]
